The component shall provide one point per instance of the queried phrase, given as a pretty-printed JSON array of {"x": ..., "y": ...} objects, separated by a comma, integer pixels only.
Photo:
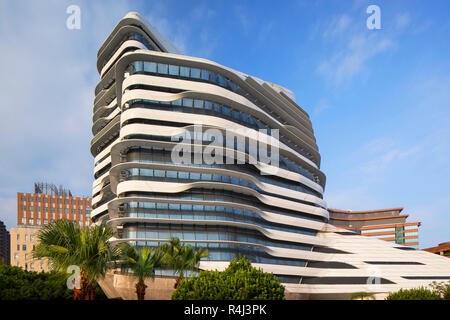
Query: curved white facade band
[{"x": 149, "y": 103}]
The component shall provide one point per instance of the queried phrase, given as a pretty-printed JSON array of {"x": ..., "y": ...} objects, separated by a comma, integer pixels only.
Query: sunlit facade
[{"x": 149, "y": 95}]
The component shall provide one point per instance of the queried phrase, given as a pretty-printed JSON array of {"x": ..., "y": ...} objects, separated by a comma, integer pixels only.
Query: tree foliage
[
  {"x": 414, "y": 294},
  {"x": 17, "y": 284},
  {"x": 181, "y": 258},
  {"x": 240, "y": 281},
  {"x": 442, "y": 288},
  {"x": 142, "y": 262},
  {"x": 65, "y": 244},
  {"x": 362, "y": 295}
]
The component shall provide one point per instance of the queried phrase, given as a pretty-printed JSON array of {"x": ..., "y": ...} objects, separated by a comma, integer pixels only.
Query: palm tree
[
  {"x": 142, "y": 262},
  {"x": 362, "y": 295},
  {"x": 65, "y": 244},
  {"x": 182, "y": 258}
]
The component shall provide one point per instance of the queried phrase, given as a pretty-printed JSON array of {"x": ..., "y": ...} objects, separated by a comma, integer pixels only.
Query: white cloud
[
  {"x": 337, "y": 26},
  {"x": 47, "y": 88},
  {"x": 402, "y": 20},
  {"x": 352, "y": 59}
]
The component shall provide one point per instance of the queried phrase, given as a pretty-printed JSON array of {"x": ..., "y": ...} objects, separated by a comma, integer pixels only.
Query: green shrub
[
  {"x": 17, "y": 284},
  {"x": 240, "y": 281},
  {"x": 442, "y": 288},
  {"x": 414, "y": 294}
]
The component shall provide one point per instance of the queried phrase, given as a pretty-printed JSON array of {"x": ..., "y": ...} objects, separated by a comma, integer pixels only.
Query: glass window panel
[
  {"x": 194, "y": 176},
  {"x": 162, "y": 68},
  {"x": 163, "y": 234},
  {"x": 152, "y": 234},
  {"x": 195, "y": 73},
  {"x": 205, "y": 74},
  {"x": 183, "y": 175},
  {"x": 212, "y": 76},
  {"x": 188, "y": 235},
  {"x": 184, "y": 72},
  {"x": 187, "y": 102},
  {"x": 226, "y": 110},
  {"x": 186, "y": 207},
  {"x": 200, "y": 235},
  {"x": 174, "y": 70},
  {"x": 171, "y": 174},
  {"x": 208, "y": 105},
  {"x": 188, "y": 215},
  {"x": 198, "y": 104},
  {"x": 198, "y": 207},
  {"x": 213, "y": 235},
  {"x": 221, "y": 80},
  {"x": 176, "y": 102},
  {"x": 160, "y": 173},
  {"x": 206, "y": 176},
  {"x": 175, "y": 214},
  {"x": 138, "y": 66}
]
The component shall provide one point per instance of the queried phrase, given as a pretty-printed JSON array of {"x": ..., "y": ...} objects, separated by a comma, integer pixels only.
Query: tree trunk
[
  {"x": 179, "y": 279},
  {"x": 140, "y": 289},
  {"x": 81, "y": 293},
  {"x": 91, "y": 291}
]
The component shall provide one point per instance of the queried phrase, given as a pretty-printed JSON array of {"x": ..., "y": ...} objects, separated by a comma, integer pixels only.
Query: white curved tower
[{"x": 151, "y": 98}]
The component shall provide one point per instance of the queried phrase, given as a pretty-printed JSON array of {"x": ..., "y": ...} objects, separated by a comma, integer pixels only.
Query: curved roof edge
[{"x": 154, "y": 34}]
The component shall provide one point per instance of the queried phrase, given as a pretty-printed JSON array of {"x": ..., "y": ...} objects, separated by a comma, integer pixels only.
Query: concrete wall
[{"x": 124, "y": 287}]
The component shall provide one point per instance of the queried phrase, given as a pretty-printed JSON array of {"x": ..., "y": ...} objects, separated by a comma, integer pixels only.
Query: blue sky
[{"x": 379, "y": 100}]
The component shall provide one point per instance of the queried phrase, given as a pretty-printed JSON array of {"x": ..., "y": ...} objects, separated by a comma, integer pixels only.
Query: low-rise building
[
  {"x": 385, "y": 224},
  {"x": 442, "y": 249},
  {"x": 38, "y": 209}
]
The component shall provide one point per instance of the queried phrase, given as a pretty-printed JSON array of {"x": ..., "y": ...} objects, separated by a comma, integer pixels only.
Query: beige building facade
[{"x": 23, "y": 241}]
